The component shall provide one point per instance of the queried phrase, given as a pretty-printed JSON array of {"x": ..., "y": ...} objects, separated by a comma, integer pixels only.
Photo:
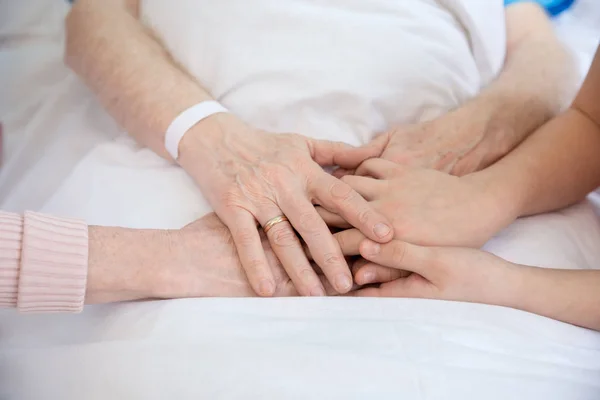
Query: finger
[
  {"x": 403, "y": 287},
  {"x": 349, "y": 241},
  {"x": 358, "y": 264},
  {"x": 332, "y": 219},
  {"x": 375, "y": 273},
  {"x": 327, "y": 153},
  {"x": 369, "y": 188},
  {"x": 338, "y": 197},
  {"x": 319, "y": 240},
  {"x": 289, "y": 251},
  {"x": 340, "y": 172},
  {"x": 379, "y": 168},
  {"x": 250, "y": 251},
  {"x": 397, "y": 254}
]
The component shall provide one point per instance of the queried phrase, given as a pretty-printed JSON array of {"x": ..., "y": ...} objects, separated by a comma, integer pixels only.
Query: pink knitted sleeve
[{"x": 43, "y": 262}]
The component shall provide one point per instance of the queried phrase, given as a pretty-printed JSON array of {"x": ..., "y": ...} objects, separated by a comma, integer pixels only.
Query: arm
[
  {"x": 537, "y": 81},
  {"x": 559, "y": 164},
  {"x": 247, "y": 175},
  {"x": 570, "y": 296},
  {"x": 459, "y": 274},
  {"x": 50, "y": 264},
  {"x": 144, "y": 92}
]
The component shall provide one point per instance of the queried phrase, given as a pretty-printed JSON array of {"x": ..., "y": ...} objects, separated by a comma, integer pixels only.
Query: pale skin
[
  {"x": 538, "y": 79},
  {"x": 199, "y": 260},
  {"x": 248, "y": 176},
  {"x": 557, "y": 166},
  {"x": 144, "y": 105}
]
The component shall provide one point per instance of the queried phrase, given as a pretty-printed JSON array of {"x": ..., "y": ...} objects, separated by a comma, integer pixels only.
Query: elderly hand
[
  {"x": 459, "y": 142},
  {"x": 202, "y": 262},
  {"x": 249, "y": 175},
  {"x": 443, "y": 273},
  {"x": 428, "y": 207}
]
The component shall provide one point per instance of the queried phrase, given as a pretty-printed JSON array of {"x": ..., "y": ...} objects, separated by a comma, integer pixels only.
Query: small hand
[
  {"x": 249, "y": 175},
  {"x": 443, "y": 273},
  {"x": 428, "y": 207}
]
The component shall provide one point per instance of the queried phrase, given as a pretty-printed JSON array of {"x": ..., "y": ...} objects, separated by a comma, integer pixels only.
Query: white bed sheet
[{"x": 308, "y": 348}]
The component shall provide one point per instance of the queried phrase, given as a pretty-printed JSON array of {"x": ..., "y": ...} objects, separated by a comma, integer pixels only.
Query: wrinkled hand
[
  {"x": 444, "y": 273},
  {"x": 203, "y": 262},
  {"x": 249, "y": 175},
  {"x": 427, "y": 207},
  {"x": 459, "y": 143}
]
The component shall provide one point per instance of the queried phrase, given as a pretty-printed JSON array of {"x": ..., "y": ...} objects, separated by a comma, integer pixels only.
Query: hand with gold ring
[{"x": 250, "y": 176}]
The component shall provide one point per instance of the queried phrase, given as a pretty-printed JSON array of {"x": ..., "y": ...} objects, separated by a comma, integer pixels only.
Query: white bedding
[{"x": 276, "y": 348}]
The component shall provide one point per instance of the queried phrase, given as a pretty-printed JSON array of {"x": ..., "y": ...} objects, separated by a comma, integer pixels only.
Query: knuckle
[
  {"x": 244, "y": 237},
  {"x": 253, "y": 266},
  {"x": 341, "y": 239},
  {"x": 276, "y": 174},
  {"x": 398, "y": 252},
  {"x": 283, "y": 237},
  {"x": 340, "y": 190},
  {"x": 305, "y": 274},
  {"x": 232, "y": 197},
  {"x": 310, "y": 222},
  {"x": 364, "y": 216},
  {"x": 332, "y": 260}
]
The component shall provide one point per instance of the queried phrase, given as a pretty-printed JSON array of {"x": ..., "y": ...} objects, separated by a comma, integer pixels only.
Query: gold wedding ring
[{"x": 274, "y": 221}]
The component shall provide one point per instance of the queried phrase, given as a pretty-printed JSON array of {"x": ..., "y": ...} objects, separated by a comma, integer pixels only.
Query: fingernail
[
  {"x": 368, "y": 277},
  {"x": 371, "y": 248},
  {"x": 265, "y": 288},
  {"x": 382, "y": 230},
  {"x": 343, "y": 282},
  {"x": 317, "y": 292}
]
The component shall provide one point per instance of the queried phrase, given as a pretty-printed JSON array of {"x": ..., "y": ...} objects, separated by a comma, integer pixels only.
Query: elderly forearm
[
  {"x": 130, "y": 72},
  {"x": 538, "y": 79},
  {"x": 123, "y": 263},
  {"x": 557, "y": 165},
  {"x": 50, "y": 264}
]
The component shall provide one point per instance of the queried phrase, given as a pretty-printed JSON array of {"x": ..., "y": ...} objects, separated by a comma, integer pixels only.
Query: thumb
[{"x": 327, "y": 153}]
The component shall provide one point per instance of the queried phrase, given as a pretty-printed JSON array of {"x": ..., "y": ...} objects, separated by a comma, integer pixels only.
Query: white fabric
[
  {"x": 302, "y": 348},
  {"x": 186, "y": 120},
  {"x": 333, "y": 69},
  {"x": 50, "y": 119}
]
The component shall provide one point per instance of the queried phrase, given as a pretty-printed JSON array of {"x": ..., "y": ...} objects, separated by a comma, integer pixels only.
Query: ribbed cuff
[
  {"x": 54, "y": 263},
  {"x": 11, "y": 236}
]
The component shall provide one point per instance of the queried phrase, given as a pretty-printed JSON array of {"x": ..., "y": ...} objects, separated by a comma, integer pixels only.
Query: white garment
[{"x": 337, "y": 70}]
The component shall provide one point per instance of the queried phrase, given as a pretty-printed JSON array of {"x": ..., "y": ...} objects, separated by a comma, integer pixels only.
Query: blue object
[{"x": 553, "y": 7}]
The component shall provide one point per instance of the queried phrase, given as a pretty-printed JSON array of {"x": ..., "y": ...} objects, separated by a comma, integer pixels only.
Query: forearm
[
  {"x": 50, "y": 264},
  {"x": 130, "y": 72},
  {"x": 124, "y": 263},
  {"x": 537, "y": 81},
  {"x": 571, "y": 296},
  {"x": 555, "y": 167}
]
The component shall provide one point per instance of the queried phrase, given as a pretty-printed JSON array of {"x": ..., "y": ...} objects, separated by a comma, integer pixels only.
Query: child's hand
[
  {"x": 444, "y": 273},
  {"x": 428, "y": 207}
]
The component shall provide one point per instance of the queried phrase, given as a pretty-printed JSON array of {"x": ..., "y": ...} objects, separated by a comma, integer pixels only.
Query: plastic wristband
[{"x": 186, "y": 120}]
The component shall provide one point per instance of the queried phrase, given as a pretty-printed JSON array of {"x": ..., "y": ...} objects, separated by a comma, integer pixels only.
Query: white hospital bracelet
[{"x": 187, "y": 119}]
